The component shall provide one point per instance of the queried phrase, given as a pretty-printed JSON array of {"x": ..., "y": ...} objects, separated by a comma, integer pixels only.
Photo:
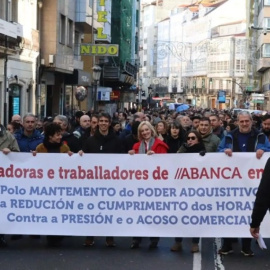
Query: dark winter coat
[
  {"x": 256, "y": 141},
  {"x": 262, "y": 201},
  {"x": 73, "y": 143},
  {"x": 28, "y": 144},
  {"x": 103, "y": 144},
  {"x": 174, "y": 144}
]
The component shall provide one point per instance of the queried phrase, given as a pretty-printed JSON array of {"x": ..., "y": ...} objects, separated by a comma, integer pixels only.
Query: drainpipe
[
  {"x": 5, "y": 88},
  {"x": 5, "y": 75}
]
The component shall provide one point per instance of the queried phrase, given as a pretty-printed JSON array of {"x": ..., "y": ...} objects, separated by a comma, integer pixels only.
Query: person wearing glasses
[{"x": 194, "y": 144}]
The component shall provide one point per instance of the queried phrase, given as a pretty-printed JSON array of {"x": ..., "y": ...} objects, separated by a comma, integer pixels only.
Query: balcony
[
  {"x": 213, "y": 92},
  {"x": 263, "y": 64},
  {"x": 204, "y": 91},
  {"x": 84, "y": 14},
  {"x": 9, "y": 40},
  {"x": 187, "y": 91}
]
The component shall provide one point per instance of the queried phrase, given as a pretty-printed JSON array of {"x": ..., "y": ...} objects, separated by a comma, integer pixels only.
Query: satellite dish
[{"x": 81, "y": 93}]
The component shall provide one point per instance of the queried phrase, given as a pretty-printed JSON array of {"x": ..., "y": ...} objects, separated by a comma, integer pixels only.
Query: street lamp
[{"x": 96, "y": 77}]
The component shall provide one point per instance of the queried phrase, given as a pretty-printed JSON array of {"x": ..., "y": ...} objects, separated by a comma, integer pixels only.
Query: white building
[
  {"x": 200, "y": 50},
  {"x": 19, "y": 48}
]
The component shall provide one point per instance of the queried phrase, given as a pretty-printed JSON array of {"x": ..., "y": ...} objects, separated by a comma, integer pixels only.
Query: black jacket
[
  {"x": 174, "y": 144},
  {"x": 103, "y": 144},
  {"x": 128, "y": 142},
  {"x": 72, "y": 142},
  {"x": 262, "y": 202}
]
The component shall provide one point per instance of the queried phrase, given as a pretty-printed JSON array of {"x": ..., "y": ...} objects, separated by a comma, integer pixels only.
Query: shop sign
[
  {"x": 102, "y": 18},
  {"x": 115, "y": 95},
  {"x": 104, "y": 95},
  {"x": 99, "y": 49},
  {"x": 8, "y": 29}
]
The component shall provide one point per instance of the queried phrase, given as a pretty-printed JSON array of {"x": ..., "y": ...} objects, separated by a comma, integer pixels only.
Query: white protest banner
[{"x": 164, "y": 195}]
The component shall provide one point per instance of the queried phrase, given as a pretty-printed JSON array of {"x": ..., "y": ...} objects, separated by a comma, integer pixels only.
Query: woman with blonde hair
[{"x": 148, "y": 144}]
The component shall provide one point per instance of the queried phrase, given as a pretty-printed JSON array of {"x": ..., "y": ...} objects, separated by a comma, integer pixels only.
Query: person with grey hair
[
  {"x": 185, "y": 123},
  {"x": 244, "y": 138},
  {"x": 68, "y": 138},
  {"x": 16, "y": 118},
  {"x": 28, "y": 137}
]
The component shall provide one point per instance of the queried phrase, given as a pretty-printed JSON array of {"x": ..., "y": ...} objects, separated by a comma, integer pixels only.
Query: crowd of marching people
[{"x": 150, "y": 132}]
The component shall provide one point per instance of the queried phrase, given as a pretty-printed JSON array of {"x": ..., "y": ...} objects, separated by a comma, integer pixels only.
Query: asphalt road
[{"x": 33, "y": 254}]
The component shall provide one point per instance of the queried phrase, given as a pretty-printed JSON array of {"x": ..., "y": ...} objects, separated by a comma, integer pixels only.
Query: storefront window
[
  {"x": 14, "y": 99},
  {"x": 43, "y": 100},
  {"x": 71, "y": 103}
]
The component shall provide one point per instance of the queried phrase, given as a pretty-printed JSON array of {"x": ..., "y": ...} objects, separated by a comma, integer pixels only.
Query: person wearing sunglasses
[{"x": 193, "y": 144}]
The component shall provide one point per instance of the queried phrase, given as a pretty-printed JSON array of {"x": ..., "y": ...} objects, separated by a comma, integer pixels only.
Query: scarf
[
  {"x": 196, "y": 148},
  {"x": 142, "y": 148},
  {"x": 52, "y": 147}
]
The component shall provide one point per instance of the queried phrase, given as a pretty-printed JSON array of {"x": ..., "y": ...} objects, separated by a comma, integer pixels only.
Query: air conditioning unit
[{"x": 51, "y": 59}]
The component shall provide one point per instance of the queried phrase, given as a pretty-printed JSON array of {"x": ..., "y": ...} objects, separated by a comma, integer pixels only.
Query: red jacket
[{"x": 158, "y": 147}]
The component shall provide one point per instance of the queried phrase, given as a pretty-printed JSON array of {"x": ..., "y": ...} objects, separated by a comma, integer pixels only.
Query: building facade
[
  {"x": 19, "y": 49},
  {"x": 200, "y": 51},
  {"x": 260, "y": 51}
]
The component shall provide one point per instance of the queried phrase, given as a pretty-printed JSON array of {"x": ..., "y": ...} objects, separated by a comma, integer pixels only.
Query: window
[
  {"x": 77, "y": 45},
  {"x": 70, "y": 33},
  {"x": 266, "y": 22},
  {"x": 219, "y": 67},
  {"x": 267, "y": 2},
  {"x": 14, "y": 11},
  {"x": 9, "y": 10},
  {"x": 240, "y": 65},
  {"x": 212, "y": 66},
  {"x": 266, "y": 50},
  {"x": 14, "y": 99},
  {"x": 203, "y": 83},
  {"x": 240, "y": 47},
  {"x": 62, "y": 29}
]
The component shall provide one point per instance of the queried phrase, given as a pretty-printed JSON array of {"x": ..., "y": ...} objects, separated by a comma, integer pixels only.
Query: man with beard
[
  {"x": 266, "y": 125},
  {"x": 85, "y": 122},
  {"x": 210, "y": 140},
  {"x": 90, "y": 131},
  {"x": 195, "y": 122},
  {"x": 216, "y": 126}
]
